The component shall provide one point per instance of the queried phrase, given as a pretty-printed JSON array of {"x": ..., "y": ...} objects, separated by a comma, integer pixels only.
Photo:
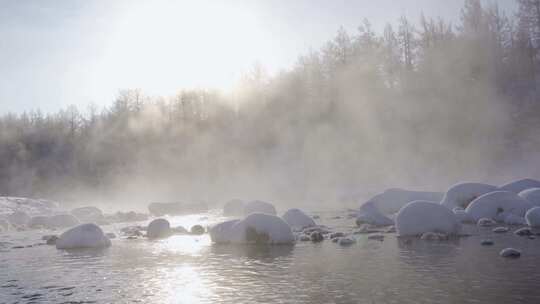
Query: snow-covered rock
[
  {"x": 62, "y": 221},
  {"x": 520, "y": 185},
  {"x": 498, "y": 205},
  {"x": 83, "y": 236},
  {"x": 533, "y": 217},
  {"x": 19, "y": 218},
  {"x": 486, "y": 222},
  {"x": 434, "y": 236},
  {"x": 512, "y": 219},
  {"x": 419, "y": 217},
  {"x": 525, "y": 231},
  {"x": 463, "y": 217},
  {"x": 510, "y": 253},
  {"x": 233, "y": 207},
  {"x": 370, "y": 214},
  {"x": 346, "y": 241},
  {"x": 88, "y": 214},
  {"x": 392, "y": 200},
  {"x": 158, "y": 228},
  {"x": 297, "y": 219},
  {"x": 462, "y": 194},
  {"x": 532, "y": 195},
  {"x": 256, "y": 228},
  {"x": 500, "y": 229},
  {"x": 259, "y": 207}
]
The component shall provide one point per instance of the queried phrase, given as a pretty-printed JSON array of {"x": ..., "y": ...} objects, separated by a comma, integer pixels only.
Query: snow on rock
[
  {"x": 462, "y": 194},
  {"x": 259, "y": 207},
  {"x": 419, "y": 217},
  {"x": 88, "y": 214},
  {"x": 520, "y": 185},
  {"x": 525, "y": 231},
  {"x": 62, "y": 221},
  {"x": 297, "y": 219},
  {"x": 370, "y": 214},
  {"x": 533, "y": 217},
  {"x": 233, "y": 207},
  {"x": 513, "y": 219},
  {"x": 501, "y": 229},
  {"x": 434, "y": 237},
  {"x": 532, "y": 195},
  {"x": 18, "y": 218},
  {"x": 510, "y": 253},
  {"x": 256, "y": 228},
  {"x": 158, "y": 228},
  {"x": 392, "y": 200},
  {"x": 83, "y": 236},
  {"x": 498, "y": 205},
  {"x": 462, "y": 216},
  {"x": 486, "y": 222}
]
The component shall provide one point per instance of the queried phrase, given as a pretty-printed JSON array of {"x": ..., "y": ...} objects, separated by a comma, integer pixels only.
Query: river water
[{"x": 189, "y": 269}]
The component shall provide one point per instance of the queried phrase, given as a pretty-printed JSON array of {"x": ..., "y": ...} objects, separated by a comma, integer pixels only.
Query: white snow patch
[
  {"x": 259, "y": 207},
  {"x": 520, "y": 185},
  {"x": 533, "y": 217},
  {"x": 297, "y": 219},
  {"x": 391, "y": 200},
  {"x": 462, "y": 194},
  {"x": 83, "y": 236},
  {"x": 419, "y": 217},
  {"x": 498, "y": 205}
]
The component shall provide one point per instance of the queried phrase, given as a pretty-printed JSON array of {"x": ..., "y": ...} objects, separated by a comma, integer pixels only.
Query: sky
[{"x": 57, "y": 53}]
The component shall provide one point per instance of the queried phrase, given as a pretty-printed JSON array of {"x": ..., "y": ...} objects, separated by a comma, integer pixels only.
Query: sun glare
[{"x": 162, "y": 46}]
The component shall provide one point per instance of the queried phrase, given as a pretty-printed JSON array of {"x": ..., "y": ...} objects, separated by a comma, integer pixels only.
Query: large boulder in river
[
  {"x": 176, "y": 208},
  {"x": 498, "y": 205},
  {"x": 462, "y": 194},
  {"x": 259, "y": 207},
  {"x": 296, "y": 218},
  {"x": 532, "y": 195},
  {"x": 391, "y": 200},
  {"x": 419, "y": 217},
  {"x": 88, "y": 214},
  {"x": 158, "y": 228},
  {"x": 83, "y": 236},
  {"x": 233, "y": 207},
  {"x": 370, "y": 214},
  {"x": 520, "y": 185},
  {"x": 256, "y": 228}
]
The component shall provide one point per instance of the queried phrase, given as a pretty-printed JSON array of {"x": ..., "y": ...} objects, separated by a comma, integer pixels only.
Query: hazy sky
[{"x": 56, "y": 53}]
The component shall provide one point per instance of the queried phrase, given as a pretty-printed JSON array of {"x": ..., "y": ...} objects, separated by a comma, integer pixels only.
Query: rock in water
[
  {"x": 501, "y": 229},
  {"x": 83, "y": 236},
  {"x": 510, "y": 253},
  {"x": 462, "y": 194},
  {"x": 197, "y": 230},
  {"x": 498, "y": 205},
  {"x": 316, "y": 237},
  {"x": 520, "y": 185},
  {"x": 336, "y": 235},
  {"x": 523, "y": 232},
  {"x": 296, "y": 218},
  {"x": 486, "y": 243},
  {"x": 370, "y": 214},
  {"x": 233, "y": 207},
  {"x": 346, "y": 241},
  {"x": 533, "y": 217},
  {"x": 419, "y": 217},
  {"x": 259, "y": 207},
  {"x": 158, "y": 228},
  {"x": 222, "y": 232},
  {"x": 432, "y": 236},
  {"x": 486, "y": 222}
]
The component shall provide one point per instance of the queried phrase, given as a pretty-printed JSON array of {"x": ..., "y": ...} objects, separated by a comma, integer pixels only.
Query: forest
[{"x": 422, "y": 104}]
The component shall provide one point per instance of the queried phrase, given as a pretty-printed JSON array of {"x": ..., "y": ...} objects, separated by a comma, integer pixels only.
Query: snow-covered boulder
[
  {"x": 462, "y": 194},
  {"x": 419, "y": 217},
  {"x": 19, "y": 218},
  {"x": 296, "y": 218},
  {"x": 510, "y": 253},
  {"x": 233, "y": 207},
  {"x": 533, "y": 217},
  {"x": 463, "y": 217},
  {"x": 391, "y": 200},
  {"x": 532, "y": 195},
  {"x": 88, "y": 214},
  {"x": 83, "y": 236},
  {"x": 256, "y": 228},
  {"x": 158, "y": 228},
  {"x": 62, "y": 221},
  {"x": 486, "y": 222},
  {"x": 520, "y": 185},
  {"x": 498, "y": 205},
  {"x": 370, "y": 214},
  {"x": 259, "y": 207}
]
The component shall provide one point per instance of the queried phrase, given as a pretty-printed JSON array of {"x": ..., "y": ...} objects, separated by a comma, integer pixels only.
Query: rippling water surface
[{"x": 189, "y": 269}]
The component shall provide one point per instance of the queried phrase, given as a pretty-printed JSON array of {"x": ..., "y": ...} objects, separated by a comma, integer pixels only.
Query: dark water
[{"x": 189, "y": 269}]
